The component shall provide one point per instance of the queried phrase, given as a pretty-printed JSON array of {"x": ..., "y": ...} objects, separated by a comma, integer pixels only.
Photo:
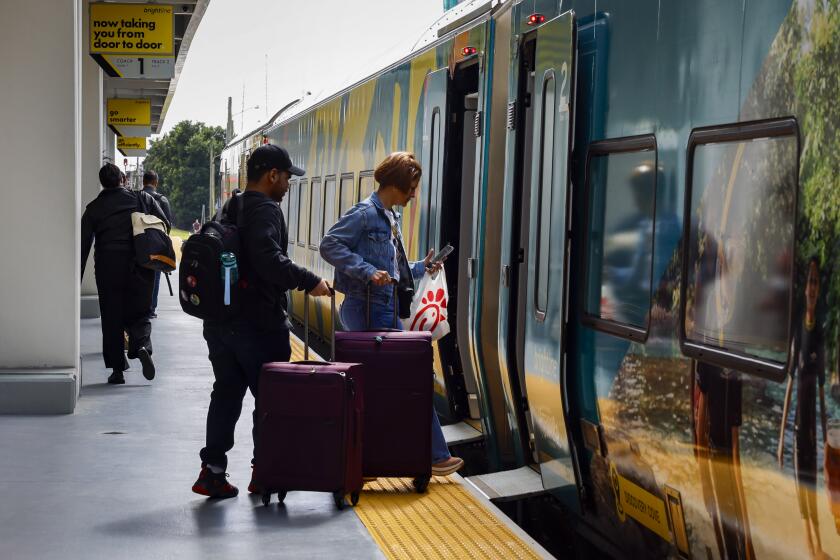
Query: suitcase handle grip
[{"x": 306, "y": 325}]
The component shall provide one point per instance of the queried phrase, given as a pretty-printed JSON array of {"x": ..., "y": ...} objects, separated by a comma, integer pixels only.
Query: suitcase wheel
[
  {"x": 421, "y": 484},
  {"x": 266, "y": 498},
  {"x": 338, "y": 498},
  {"x": 354, "y": 498},
  {"x": 281, "y": 496}
]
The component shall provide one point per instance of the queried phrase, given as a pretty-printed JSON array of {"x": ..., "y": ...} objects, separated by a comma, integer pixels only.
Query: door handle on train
[{"x": 506, "y": 272}]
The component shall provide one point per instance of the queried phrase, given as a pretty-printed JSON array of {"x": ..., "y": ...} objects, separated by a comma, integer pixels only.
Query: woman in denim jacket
[{"x": 365, "y": 247}]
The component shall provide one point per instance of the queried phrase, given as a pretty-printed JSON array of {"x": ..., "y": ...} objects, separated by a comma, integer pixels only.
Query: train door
[
  {"x": 449, "y": 159},
  {"x": 542, "y": 279}
]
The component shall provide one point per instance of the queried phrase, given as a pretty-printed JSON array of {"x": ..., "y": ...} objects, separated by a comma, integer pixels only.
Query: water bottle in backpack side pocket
[{"x": 230, "y": 273}]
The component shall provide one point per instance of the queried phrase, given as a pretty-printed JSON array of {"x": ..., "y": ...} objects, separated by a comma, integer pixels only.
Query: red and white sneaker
[{"x": 214, "y": 485}]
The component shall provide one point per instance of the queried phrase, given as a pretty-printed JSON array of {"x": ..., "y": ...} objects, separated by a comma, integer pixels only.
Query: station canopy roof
[{"x": 188, "y": 14}]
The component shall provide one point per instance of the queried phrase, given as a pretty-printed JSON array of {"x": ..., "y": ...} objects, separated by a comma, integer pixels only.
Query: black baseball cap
[{"x": 269, "y": 156}]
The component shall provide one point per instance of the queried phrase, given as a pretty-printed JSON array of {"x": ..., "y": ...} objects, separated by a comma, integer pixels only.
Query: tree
[{"x": 181, "y": 159}]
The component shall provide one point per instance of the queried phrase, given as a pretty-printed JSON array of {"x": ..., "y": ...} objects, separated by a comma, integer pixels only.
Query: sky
[{"x": 299, "y": 45}]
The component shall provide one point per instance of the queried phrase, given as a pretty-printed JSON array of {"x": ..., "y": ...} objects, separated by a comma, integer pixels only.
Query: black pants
[
  {"x": 125, "y": 295},
  {"x": 237, "y": 352}
]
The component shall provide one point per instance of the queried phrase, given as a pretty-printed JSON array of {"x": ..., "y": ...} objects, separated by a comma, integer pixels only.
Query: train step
[
  {"x": 460, "y": 433},
  {"x": 505, "y": 486}
]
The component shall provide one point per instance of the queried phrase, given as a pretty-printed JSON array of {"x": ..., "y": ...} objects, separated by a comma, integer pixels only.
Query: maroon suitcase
[
  {"x": 309, "y": 434},
  {"x": 398, "y": 387}
]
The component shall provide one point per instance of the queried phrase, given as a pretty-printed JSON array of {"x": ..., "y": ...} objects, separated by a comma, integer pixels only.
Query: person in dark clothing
[
  {"x": 150, "y": 183},
  {"x": 125, "y": 289},
  {"x": 260, "y": 332}
]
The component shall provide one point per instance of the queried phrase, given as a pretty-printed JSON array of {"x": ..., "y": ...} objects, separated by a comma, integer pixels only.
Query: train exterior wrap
[{"x": 645, "y": 301}]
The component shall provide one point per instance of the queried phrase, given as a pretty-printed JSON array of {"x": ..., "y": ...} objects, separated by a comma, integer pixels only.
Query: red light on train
[
  {"x": 469, "y": 51},
  {"x": 536, "y": 19}
]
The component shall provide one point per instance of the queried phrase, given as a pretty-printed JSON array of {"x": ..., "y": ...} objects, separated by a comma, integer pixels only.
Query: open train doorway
[{"x": 449, "y": 157}]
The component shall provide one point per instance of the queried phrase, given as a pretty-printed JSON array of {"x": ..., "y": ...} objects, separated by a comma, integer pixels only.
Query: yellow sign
[
  {"x": 634, "y": 501},
  {"x": 130, "y": 112},
  {"x": 129, "y": 143},
  {"x": 139, "y": 29}
]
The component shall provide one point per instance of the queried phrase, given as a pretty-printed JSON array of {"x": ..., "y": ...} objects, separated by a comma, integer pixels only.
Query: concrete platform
[{"x": 113, "y": 480}]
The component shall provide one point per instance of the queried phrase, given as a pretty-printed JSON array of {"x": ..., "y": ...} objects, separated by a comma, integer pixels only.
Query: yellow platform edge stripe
[
  {"x": 447, "y": 521},
  {"x": 451, "y": 520}
]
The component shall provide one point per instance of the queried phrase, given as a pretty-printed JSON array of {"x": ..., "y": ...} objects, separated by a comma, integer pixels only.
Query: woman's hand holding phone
[{"x": 434, "y": 263}]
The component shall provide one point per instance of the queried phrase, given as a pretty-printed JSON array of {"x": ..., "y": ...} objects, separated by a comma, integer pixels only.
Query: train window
[
  {"x": 303, "y": 211},
  {"x": 738, "y": 241},
  {"x": 366, "y": 184},
  {"x": 346, "y": 194},
  {"x": 620, "y": 207},
  {"x": 316, "y": 213},
  {"x": 290, "y": 210},
  {"x": 329, "y": 205},
  {"x": 546, "y": 171}
]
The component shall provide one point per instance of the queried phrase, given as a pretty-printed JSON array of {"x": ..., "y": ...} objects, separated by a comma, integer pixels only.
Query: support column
[
  {"x": 92, "y": 137},
  {"x": 40, "y": 153},
  {"x": 109, "y": 149}
]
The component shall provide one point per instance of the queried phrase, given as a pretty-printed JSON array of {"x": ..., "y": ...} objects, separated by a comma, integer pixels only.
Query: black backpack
[{"x": 209, "y": 277}]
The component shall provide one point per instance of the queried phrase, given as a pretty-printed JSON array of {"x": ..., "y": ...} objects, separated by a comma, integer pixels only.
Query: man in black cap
[{"x": 260, "y": 333}]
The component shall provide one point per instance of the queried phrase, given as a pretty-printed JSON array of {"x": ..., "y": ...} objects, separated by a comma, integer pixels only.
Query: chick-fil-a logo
[{"x": 432, "y": 312}]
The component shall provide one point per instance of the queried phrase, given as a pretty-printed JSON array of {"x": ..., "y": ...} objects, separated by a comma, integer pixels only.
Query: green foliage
[
  {"x": 182, "y": 160},
  {"x": 817, "y": 81},
  {"x": 801, "y": 77}
]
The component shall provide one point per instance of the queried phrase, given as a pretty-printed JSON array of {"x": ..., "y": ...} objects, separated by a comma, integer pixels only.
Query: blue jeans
[
  {"x": 353, "y": 315},
  {"x": 155, "y": 293}
]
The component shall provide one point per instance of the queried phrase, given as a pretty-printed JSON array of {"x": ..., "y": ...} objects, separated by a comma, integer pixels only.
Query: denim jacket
[{"x": 358, "y": 245}]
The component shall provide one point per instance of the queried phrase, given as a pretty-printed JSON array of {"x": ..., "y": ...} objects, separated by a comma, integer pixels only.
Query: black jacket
[
  {"x": 108, "y": 219},
  {"x": 161, "y": 200},
  {"x": 265, "y": 266}
]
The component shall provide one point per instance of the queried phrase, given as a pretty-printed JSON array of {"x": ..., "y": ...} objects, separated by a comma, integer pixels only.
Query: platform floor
[{"x": 113, "y": 480}]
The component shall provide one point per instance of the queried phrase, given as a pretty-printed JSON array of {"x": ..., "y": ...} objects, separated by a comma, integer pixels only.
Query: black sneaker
[
  {"x": 148, "y": 364},
  {"x": 214, "y": 485},
  {"x": 116, "y": 378}
]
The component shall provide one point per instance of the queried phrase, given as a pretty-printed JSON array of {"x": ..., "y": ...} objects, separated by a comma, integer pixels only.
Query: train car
[
  {"x": 233, "y": 158},
  {"x": 643, "y": 197}
]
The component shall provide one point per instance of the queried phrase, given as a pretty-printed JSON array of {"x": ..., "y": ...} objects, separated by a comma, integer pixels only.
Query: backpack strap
[{"x": 142, "y": 207}]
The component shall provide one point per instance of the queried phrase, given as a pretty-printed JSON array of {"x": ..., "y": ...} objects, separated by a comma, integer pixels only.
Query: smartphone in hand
[{"x": 442, "y": 254}]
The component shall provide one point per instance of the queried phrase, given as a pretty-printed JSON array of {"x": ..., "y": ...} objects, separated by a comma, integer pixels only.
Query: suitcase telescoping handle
[
  {"x": 396, "y": 306},
  {"x": 306, "y": 325}
]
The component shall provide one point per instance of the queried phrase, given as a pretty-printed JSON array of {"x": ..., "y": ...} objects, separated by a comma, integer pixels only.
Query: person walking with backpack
[
  {"x": 259, "y": 332},
  {"x": 125, "y": 289},
  {"x": 150, "y": 184}
]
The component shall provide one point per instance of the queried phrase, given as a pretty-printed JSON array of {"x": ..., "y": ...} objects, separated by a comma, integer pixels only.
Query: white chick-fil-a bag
[{"x": 428, "y": 309}]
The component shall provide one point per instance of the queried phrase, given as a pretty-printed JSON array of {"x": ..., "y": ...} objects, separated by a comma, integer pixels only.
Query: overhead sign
[
  {"x": 152, "y": 67},
  {"x": 131, "y": 146},
  {"x": 137, "y": 29},
  {"x": 130, "y": 117}
]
